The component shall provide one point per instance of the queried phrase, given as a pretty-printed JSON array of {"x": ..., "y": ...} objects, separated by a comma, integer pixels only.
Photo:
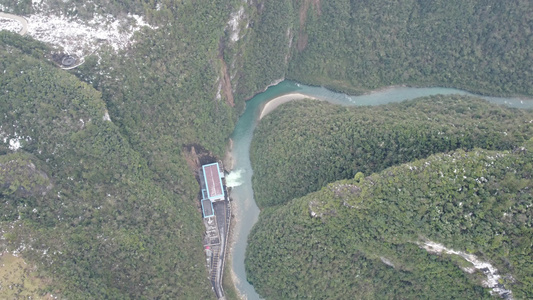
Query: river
[{"x": 240, "y": 178}]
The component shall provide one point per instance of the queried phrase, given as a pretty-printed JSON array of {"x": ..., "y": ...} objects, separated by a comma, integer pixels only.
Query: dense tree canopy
[
  {"x": 363, "y": 237},
  {"x": 101, "y": 193},
  {"x": 304, "y": 145},
  {"x": 356, "y": 46},
  {"x": 85, "y": 206},
  {"x": 121, "y": 220},
  {"x": 481, "y": 46},
  {"x": 268, "y": 42}
]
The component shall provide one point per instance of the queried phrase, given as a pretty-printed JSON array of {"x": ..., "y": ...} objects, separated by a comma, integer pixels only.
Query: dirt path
[
  {"x": 20, "y": 19},
  {"x": 226, "y": 84}
]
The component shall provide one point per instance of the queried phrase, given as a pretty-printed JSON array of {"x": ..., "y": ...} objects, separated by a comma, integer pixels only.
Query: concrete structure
[
  {"x": 213, "y": 182},
  {"x": 216, "y": 210}
]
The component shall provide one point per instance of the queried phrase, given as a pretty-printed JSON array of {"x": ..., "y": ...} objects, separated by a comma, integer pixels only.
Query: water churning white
[{"x": 234, "y": 178}]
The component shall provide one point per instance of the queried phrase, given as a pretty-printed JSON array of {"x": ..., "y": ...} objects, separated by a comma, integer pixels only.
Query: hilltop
[
  {"x": 382, "y": 236},
  {"x": 303, "y": 146}
]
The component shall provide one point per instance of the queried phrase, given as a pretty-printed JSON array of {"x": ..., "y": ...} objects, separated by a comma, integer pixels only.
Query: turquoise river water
[{"x": 240, "y": 178}]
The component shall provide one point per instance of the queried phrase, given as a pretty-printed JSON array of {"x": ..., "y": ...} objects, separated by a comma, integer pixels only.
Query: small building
[
  {"x": 207, "y": 208},
  {"x": 213, "y": 182}
]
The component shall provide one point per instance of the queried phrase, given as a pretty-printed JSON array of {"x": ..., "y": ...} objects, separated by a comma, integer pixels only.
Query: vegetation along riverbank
[{"x": 96, "y": 191}]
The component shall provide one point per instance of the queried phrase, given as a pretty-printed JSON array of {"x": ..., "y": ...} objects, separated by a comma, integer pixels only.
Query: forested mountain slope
[
  {"x": 77, "y": 199},
  {"x": 480, "y": 46},
  {"x": 119, "y": 218},
  {"x": 365, "y": 237},
  {"x": 162, "y": 93},
  {"x": 304, "y": 145},
  {"x": 264, "y": 51},
  {"x": 118, "y": 215},
  {"x": 476, "y": 45}
]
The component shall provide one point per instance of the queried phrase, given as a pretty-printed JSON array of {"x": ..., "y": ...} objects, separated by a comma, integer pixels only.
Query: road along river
[{"x": 240, "y": 179}]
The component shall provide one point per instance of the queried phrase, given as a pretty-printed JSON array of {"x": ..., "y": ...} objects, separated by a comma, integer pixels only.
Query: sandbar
[{"x": 274, "y": 103}]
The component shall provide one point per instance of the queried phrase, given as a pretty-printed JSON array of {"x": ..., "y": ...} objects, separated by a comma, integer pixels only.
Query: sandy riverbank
[{"x": 274, "y": 103}]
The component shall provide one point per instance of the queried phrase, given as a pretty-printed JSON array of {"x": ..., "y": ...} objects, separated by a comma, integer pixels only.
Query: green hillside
[
  {"x": 480, "y": 46},
  {"x": 119, "y": 217},
  {"x": 97, "y": 184},
  {"x": 304, "y": 145},
  {"x": 84, "y": 206},
  {"x": 266, "y": 49},
  {"x": 161, "y": 93},
  {"x": 362, "y": 238},
  {"x": 356, "y": 46}
]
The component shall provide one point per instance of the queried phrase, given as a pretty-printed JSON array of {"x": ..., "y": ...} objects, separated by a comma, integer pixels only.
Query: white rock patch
[
  {"x": 491, "y": 272},
  {"x": 233, "y": 24},
  {"x": 77, "y": 37},
  {"x": 15, "y": 143},
  {"x": 83, "y": 38},
  {"x": 10, "y": 25},
  {"x": 106, "y": 116},
  {"x": 386, "y": 261}
]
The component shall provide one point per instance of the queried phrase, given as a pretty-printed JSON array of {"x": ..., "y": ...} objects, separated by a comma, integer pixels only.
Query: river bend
[{"x": 240, "y": 179}]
